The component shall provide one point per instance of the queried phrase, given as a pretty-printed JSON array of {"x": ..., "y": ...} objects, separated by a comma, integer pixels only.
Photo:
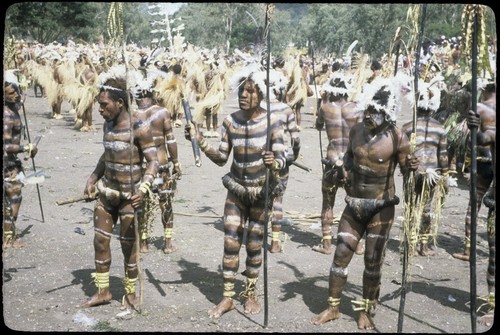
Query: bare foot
[
  {"x": 331, "y": 313},
  {"x": 169, "y": 250},
  {"x": 487, "y": 319},
  {"x": 97, "y": 299},
  {"x": 144, "y": 246},
  {"x": 14, "y": 244},
  {"x": 251, "y": 305},
  {"x": 425, "y": 251},
  {"x": 462, "y": 257},
  {"x": 321, "y": 249},
  {"x": 224, "y": 306},
  {"x": 360, "y": 248},
  {"x": 128, "y": 302},
  {"x": 365, "y": 321},
  {"x": 275, "y": 247}
]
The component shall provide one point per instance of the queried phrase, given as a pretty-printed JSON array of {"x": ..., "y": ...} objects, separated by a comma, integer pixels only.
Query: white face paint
[{"x": 373, "y": 118}]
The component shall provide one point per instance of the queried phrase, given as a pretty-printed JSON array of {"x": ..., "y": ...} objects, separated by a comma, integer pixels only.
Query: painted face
[
  {"x": 108, "y": 108},
  {"x": 248, "y": 95},
  {"x": 373, "y": 118}
]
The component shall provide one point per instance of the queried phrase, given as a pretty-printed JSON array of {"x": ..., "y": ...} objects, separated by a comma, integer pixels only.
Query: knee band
[{"x": 339, "y": 271}]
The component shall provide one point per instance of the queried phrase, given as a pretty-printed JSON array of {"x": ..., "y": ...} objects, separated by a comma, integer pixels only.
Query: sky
[{"x": 172, "y": 7}]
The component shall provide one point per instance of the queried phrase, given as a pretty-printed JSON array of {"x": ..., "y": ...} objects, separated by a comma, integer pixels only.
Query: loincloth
[
  {"x": 112, "y": 196},
  {"x": 364, "y": 209},
  {"x": 251, "y": 194},
  {"x": 485, "y": 169}
]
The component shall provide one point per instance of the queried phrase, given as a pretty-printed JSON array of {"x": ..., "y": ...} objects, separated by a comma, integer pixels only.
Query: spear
[
  {"x": 269, "y": 9},
  {"x": 473, "y": 181},
  {"x": 33, "y": 160},
  {"x": 132, "y": 186},
  {"x": 116, "y": 33},
  {"x": 317, "y": 106},
  {"x": 411, "y": 176}
]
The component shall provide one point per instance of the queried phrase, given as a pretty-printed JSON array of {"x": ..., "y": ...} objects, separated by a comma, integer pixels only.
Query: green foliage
[{"x": 329, "y": 27}]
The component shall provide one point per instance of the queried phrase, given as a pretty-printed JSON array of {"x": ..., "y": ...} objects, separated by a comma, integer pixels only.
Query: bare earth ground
[{"x": 45, "y": 281}]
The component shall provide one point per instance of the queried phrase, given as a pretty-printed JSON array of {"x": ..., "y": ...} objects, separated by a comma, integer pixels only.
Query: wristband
[
  {"x": 145, "y": 187},
  {"x": 203, "y": 145},
  {"x": 275, "y": 166},
  {"x": 21, "y": 148}
]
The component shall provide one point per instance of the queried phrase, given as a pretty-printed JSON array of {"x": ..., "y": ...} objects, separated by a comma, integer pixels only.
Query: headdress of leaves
[{"x": 468, "y": 14}]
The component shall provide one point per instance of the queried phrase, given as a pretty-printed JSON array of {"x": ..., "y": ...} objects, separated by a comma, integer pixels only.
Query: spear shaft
[
  {"x": 412, "y": 174},
  {"x": 317, "y": 106},
  {"x": 473, "y": 181},
  {"x": 268, "y": 148},
  {"x": 32, "y": 160}
]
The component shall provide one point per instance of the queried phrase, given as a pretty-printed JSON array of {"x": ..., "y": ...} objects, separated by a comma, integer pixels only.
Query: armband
[
  {"x": 145, "y": 187},
  {"x": 27, "y": 148}
]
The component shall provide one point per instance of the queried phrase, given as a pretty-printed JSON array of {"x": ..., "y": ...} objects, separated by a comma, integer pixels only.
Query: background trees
[{"x": 331, "y": 27}]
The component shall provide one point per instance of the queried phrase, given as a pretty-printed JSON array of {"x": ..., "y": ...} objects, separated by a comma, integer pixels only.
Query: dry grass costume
[
  {"x": 485, "y": 172},
  {"x": 432, "y": 180}
]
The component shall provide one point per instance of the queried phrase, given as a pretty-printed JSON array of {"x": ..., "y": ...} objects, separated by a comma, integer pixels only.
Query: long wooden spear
[
  {"x": 317, "y": 108},
  {"x": 32, "y": 159},
  {"x": 473, "y": 180},
  {"x": 411, "y": 177},
  {"x": 116, "y": 32},
  {"x": 269, "y": 10}
]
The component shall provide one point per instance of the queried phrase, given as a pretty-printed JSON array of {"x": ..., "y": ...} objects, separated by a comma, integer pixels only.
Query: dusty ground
[{"x": 44, "y": 282}]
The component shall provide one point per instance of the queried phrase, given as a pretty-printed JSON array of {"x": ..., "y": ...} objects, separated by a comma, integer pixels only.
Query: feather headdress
[
  {"x": 277, "y": 82},
  {"x": 118, "y": 71},
  {"x": 11, "y": 77},
  {"x": 429, "y": 94},
  {"x": 383, "y": 94},
  {"x": 337, "y": 84},
  {"x": 142, "y": 82},
  {"x": 253, "y": 71}
]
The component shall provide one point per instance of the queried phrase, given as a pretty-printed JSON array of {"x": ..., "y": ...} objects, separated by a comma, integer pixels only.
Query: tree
[{"x": 53, "y": 21}]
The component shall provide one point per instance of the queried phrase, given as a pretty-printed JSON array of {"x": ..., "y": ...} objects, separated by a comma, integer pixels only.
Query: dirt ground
[{"x": 44, "y": 282}]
